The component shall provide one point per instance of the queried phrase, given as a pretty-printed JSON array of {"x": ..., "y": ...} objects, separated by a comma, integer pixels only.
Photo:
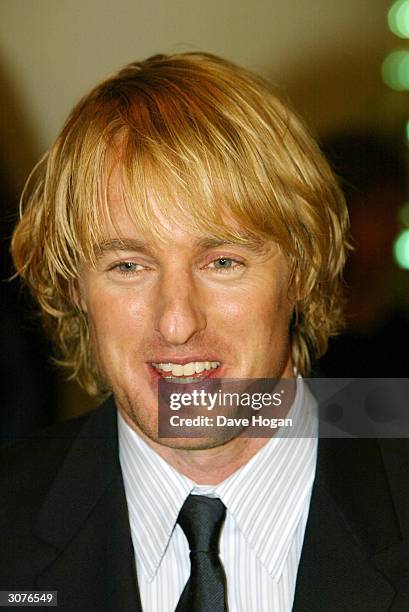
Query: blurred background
[{"x": 343, "y": 65}]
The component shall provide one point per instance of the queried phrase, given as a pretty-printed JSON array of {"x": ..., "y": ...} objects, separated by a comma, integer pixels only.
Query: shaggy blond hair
[{"x": 210, "y": 141}]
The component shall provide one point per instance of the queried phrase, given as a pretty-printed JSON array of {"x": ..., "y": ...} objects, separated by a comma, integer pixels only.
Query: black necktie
[{"x": 201, "y": 518}]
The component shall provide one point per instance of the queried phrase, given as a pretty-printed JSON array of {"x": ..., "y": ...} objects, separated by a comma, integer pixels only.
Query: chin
[{"x": 148, "y": 430}]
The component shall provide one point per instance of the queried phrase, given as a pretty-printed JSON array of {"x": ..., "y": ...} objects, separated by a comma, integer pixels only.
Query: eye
[
  {"x": 126, "y": 267},
  {"x": 222, "y": 264}
]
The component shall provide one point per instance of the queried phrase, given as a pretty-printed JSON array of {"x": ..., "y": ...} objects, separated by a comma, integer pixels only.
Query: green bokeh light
[
  {"x": 398, "y": 18},
  {"x": 401, "y": 249},
  {"x": 395, "y": 70}
]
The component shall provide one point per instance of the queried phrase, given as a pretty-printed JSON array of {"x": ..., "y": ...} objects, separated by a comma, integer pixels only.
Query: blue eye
[
  {"x": 127, "y": 267},
  {"x": 223, "y": 263}
]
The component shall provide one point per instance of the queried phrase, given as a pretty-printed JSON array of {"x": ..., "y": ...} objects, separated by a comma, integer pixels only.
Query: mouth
[{"x": 190, "y": 372}]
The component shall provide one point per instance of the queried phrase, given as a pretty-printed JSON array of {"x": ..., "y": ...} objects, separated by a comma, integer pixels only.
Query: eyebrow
[
  {"x": 132, "y": 244},
  {"x": 126, "y": 244},
  {"x": 249, "y": 242}
]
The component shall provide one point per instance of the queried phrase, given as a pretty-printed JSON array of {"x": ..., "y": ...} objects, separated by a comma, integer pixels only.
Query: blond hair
[{"x": 214, "y": 142}]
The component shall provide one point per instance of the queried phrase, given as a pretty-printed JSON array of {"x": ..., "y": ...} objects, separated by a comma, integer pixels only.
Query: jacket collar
[
  {"x": 88, "y": 528},
  {"x": 89, "y": 468},
  {"x": 352, "y": 532}
]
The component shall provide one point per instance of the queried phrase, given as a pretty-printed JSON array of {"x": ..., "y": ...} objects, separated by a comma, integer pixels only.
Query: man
[{"x": 185, "y": 226}]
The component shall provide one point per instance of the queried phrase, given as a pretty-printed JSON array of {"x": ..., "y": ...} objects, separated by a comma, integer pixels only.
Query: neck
[{"x": 209, "y": 466}]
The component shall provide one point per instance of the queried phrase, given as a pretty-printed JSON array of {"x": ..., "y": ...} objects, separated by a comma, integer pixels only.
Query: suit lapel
[
  {"x": 352, "y": 555},
  {"x": 85, "y": 520}
]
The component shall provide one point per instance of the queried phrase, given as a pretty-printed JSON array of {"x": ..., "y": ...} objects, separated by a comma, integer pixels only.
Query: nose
[{"x": 179, "y": 308}]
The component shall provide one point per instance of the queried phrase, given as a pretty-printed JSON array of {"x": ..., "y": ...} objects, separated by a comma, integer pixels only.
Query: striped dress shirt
[{"x": 267, "y": 503}]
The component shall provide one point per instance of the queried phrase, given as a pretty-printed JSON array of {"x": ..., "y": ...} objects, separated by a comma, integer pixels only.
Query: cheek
[
  {"x": 257, "y": 307},
  {"x": 269, "y": 324},
  {"x": 116, "y": 321}
]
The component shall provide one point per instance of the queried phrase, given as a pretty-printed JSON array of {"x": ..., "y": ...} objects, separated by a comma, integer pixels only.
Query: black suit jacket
[{"x": 64, "y": 522}]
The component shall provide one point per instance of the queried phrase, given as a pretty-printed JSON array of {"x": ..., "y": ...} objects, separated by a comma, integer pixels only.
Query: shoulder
[
  {"x": 34, "y": 449},
  {"x": 395, "y": 454},
  {"x": 29, "y": 468},
  {"x": 369, "y": 477}
]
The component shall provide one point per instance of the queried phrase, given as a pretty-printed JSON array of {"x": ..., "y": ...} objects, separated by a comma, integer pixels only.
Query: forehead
[{"x": 166, "y": 216}]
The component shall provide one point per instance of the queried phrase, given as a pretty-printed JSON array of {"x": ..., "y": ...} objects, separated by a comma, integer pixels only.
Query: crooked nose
[{"x": 180, "y": 313}]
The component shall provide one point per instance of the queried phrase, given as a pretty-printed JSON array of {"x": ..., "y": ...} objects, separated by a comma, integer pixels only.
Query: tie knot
[{"x": 201, "y": 519}]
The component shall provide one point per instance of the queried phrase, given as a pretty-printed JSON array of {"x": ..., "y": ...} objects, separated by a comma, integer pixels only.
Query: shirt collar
[
  {"x": 155, "y": 493},
  {"x": 278, "y": 479}
]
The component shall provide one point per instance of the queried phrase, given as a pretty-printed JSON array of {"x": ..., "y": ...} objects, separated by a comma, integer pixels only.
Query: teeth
[
  {"x": 177, "y": 369},
  {"x": 194, "y": 367},
  {"x": 189, "y": 369}
]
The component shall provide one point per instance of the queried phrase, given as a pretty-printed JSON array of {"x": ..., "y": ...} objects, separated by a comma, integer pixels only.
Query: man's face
[{"x": 182, "y": 301}]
